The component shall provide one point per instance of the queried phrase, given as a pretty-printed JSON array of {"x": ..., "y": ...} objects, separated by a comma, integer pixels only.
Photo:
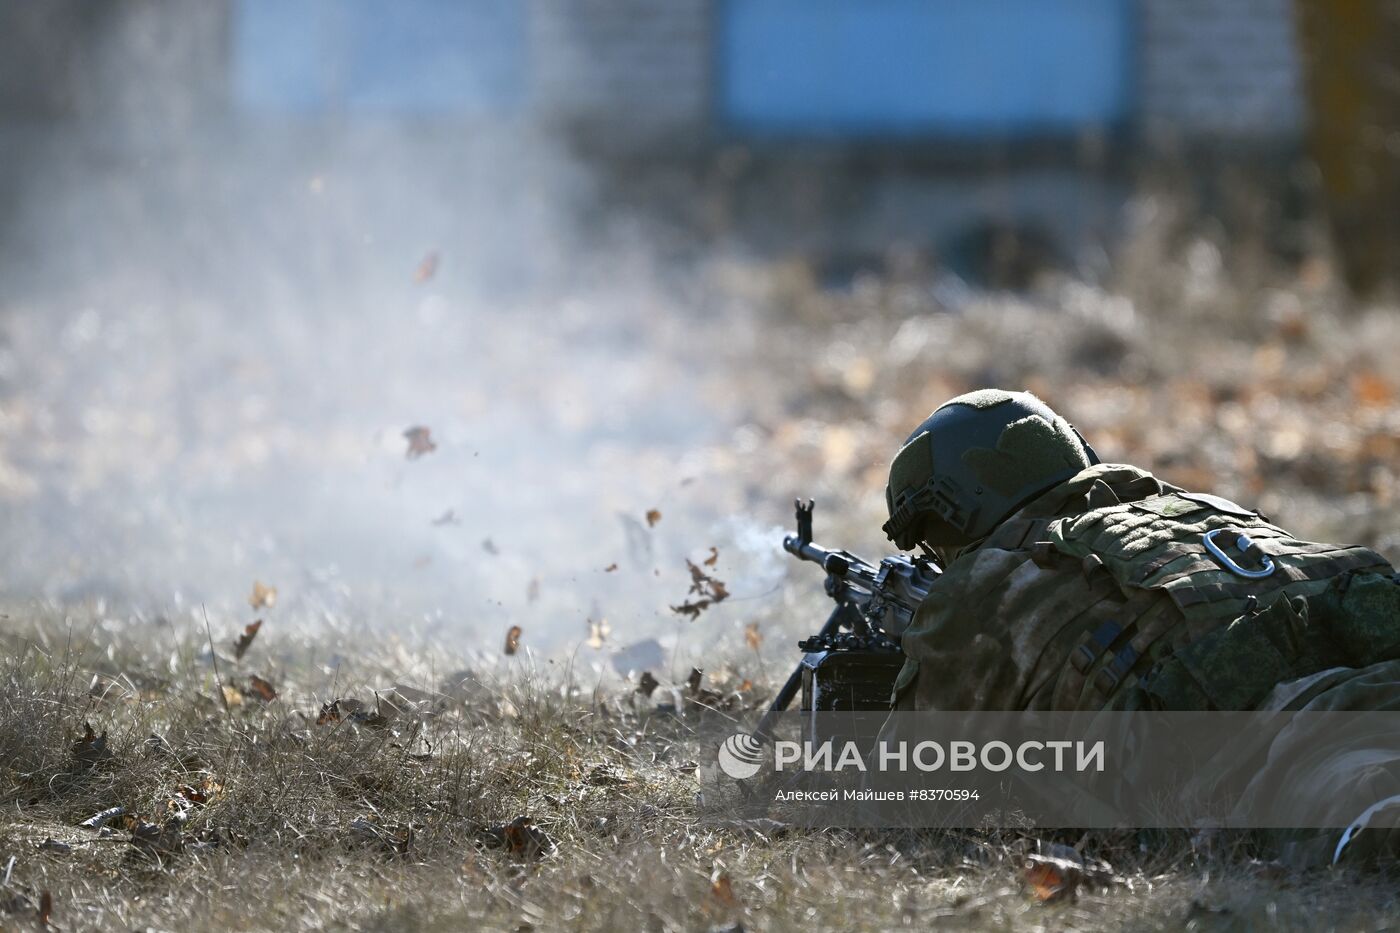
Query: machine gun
[{"x": 852, "y": 662}]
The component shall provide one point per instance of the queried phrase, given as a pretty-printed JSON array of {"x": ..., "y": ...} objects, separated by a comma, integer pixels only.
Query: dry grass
[{"x": 396, "y": 824}]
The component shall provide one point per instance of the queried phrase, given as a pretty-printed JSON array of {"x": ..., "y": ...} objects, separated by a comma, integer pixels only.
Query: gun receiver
[{"x": 874, "y": 605}]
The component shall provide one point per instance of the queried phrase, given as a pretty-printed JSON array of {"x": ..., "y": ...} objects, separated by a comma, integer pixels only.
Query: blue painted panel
[
  {"x": 379, "y": 56},
  {"x": 957, "y": 67}
]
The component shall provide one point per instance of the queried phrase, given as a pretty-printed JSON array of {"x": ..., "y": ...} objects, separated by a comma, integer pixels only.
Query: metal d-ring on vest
[{"x": 1244, "y": 544}]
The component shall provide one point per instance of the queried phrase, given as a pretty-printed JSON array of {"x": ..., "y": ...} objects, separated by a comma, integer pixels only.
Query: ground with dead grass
[{"x": 149, "y": 784}]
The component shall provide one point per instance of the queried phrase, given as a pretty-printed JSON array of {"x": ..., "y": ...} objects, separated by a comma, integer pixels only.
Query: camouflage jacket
[{"x": 1103, "y": 587}]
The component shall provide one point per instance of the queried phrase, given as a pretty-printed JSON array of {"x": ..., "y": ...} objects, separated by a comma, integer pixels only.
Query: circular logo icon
[{"x": 741, "y": 756}]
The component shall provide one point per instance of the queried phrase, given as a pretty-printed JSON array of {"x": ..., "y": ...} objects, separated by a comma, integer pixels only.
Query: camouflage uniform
[
  {"x": 1100, "y": 593},
  {"x": 1087, "y": 586}
]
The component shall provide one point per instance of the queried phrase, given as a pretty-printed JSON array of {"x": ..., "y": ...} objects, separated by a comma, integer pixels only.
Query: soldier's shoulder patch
[
  {"x": 1219, "y": 503},
  {"x": 1170, "y": 505}
]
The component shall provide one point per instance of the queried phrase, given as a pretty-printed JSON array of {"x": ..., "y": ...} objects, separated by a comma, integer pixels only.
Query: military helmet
[{"x": 976, "y": 460}]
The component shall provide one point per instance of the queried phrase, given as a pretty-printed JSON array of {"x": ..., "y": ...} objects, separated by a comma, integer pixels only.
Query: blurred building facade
[
  {"x": 831, "y": 125},
  {"x": 666, "y": 74}
]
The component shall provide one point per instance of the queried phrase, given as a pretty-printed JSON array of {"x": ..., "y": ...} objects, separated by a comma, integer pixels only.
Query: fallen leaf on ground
[
  {"x": 338, "y": 709},
  {"x": 264, "y": 596},
  {"x": 1057, "y": 871},
  {"x": 692, "y": 683},
  {"x": 420, "y": 442},
  {"x": 91, "y": 748},
  {"x": 1051, "y": 878},
  {"x": 53, "y": 845},
  {"x": 200, "y": 795},
  {"x": 250, "y": 631},
  {"x": 648, "y": 684},
  {"x": 45, "y": 908},
  {"x": 395, "y": 839},
  {"x": 722, "y": 889},
  {"x": 513, "y": 639},
  {"x": 158, "y": 840},
  {"x": 525, "y": 840},
  {"x": 605, "y": 775}
]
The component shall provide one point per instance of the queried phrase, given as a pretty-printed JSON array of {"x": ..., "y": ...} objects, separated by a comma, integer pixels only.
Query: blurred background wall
[{"x": 998, "y": 136}]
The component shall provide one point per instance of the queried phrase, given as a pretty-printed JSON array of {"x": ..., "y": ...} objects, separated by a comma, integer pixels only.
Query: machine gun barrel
[
  {"x": 875, "y": 603},
  {"x": 840, "y": 564}
]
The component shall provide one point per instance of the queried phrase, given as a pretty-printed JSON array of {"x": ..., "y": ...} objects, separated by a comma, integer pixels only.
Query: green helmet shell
[{"x": 975, "y": 461}]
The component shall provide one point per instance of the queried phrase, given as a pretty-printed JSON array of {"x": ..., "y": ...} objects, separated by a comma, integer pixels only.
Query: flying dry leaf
[
  {"x": 489, "y": 547},
  {"x": 261, "y": 689},
  {"x": 653, "y": 516},
  {"x": 713, "y": 558},
  {"x": 232, "y": 696},
  {"x": 250, "y": 631},
  {"x": 45, "y": 908},
  {"x": 648, "y": 684},
  {"x": 420, "y": 442},
  {"x": 264, "y": 596},
  {"x": 692, "y": 609},
  {"x": 427, "y": 268},
  {"x": 598, "y": 632},
  {"x": 447, "y": 518},
  {"x": 709, "y": 589},
  {"x": 610, "y": 568},
  {"x": 532, "y": 592},
  {"x": 751, "y": 636},
  {"x": 513, "y": 640}
]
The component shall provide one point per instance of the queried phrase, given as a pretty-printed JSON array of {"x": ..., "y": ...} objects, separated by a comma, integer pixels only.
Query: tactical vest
[{"x": 1215, "y": 561}]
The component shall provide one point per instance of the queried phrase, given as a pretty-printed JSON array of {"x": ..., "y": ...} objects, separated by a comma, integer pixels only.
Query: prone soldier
[{"x": 1071, "y": 584}]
